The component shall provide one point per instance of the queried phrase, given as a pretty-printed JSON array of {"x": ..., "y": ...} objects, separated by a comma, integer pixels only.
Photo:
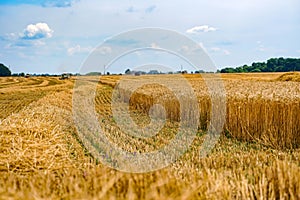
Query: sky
[{"x": 56, "y": 36}]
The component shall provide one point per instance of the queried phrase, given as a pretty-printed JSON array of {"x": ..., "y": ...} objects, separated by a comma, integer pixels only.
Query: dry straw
[{"x": 41, "y": 156}]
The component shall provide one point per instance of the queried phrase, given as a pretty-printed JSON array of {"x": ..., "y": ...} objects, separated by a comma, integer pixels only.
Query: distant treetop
[
  {"x": 4, "y": 71},
  {"x": 93, "y": 74}
]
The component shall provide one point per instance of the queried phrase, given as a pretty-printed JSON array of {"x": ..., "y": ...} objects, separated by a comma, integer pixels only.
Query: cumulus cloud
[
  {"x": 199, "y": 29},
  {"x": 30, "y": 37},
  {"x": 37, "y": 31},
  {"x": 78, "y": 49}
]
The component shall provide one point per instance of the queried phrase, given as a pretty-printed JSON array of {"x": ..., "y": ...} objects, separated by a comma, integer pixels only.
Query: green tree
[
  {"x": 93, "y": 74},
  {"x": 228, "y": 70},
  {"x": 127, "y": 71},
  {"x": 272, "y": 65},
  {"x": 256, "y": 70},
  {"x": 4, "y": 71}
]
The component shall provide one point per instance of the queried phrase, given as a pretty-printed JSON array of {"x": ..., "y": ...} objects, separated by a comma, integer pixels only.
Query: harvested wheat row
[{"x": 35, "y": 138}]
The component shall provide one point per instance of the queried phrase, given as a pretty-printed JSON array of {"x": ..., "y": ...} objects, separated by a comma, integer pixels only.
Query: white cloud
[
  {"x": 38, "y": 43},
  {"x": 104, "y": 50},
  {"x": 78, "y": 49},
  {"x": 192, "y": 49},
  {"x": 11, "y": 36},
  {"x": 199, "y": 29},
  {"x": 25, "y": 44},
  {"x": 218, "y": 49},
  {"x": 154, "y": 45},
  {"x": 37, "y": 31}
]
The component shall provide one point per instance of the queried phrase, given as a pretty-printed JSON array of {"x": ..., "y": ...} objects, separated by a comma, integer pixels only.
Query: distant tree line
[
  {"x": 93, "y": 74},
  {"x": 153, "y": 71},
  {"x": 272, "y": 65}
]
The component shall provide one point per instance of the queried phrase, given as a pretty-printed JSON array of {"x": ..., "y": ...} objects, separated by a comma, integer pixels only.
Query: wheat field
[{"x": 256, "y": 157}]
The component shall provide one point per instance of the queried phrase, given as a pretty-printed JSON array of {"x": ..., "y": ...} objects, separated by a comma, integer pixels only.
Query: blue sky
[
  {"x": 55, "y": 36},
  {"x": 44, "y": 3}
]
